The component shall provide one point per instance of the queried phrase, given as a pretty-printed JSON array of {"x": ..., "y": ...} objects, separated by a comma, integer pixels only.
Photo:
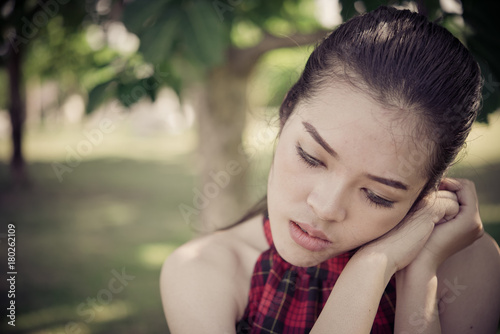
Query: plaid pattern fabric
[{"x": 287, "y": 299}]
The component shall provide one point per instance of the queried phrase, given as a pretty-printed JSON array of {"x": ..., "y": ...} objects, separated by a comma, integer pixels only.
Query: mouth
[
  {"x": 312, "y": 231},
  {"x": 308, "y": 237}
]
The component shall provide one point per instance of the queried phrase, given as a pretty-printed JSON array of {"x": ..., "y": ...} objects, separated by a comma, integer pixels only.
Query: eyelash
[
  {"x": 372, "y": 199},
  {"x": 307, "y": 159},
  {"x": 377, "y": 200}
]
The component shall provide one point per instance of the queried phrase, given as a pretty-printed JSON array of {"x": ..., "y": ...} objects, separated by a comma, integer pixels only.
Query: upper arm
[
  {"x": 198, "y": 291},
  {"x": 469, "y": 291}
]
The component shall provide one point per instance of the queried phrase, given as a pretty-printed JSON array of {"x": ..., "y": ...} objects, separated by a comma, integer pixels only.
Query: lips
[
  {"x": 312, "y": 231},
  {"x": 308, "y": 237}
]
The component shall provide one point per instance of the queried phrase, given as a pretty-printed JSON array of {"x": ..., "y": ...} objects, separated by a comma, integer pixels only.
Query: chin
[
  {"x": 305, "y": 263},
  {"x": 301, "y": 258}
]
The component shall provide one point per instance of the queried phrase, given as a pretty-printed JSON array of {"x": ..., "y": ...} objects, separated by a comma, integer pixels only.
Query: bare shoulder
[
  {"x": 469, "y": 293},
  {"x": 204, "y": 283}
]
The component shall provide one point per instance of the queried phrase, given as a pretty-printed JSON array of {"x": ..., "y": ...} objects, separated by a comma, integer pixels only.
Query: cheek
[
  {"x": 385, "y": 222},
  {"x": 373, "y": 223},
  {"x": 288, "y": 173}
]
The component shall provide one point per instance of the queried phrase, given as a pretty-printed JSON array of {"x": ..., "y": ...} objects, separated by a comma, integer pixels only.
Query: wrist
[
  {"x": 374, "y": 262},
  {"x": 419, "y": 270},
  {"x": 426, "y": 262}
]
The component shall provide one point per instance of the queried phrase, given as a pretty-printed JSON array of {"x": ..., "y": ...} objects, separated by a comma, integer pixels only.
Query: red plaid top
[{"x": 288, "y": 299}]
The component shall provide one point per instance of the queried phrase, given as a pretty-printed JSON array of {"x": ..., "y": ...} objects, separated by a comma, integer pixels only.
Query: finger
[
  {"x": 445, "y": 194},
  {"x": 467, "y": 218},
  {"x": 466, "y": 195},
  {"x": 448, "y": 202},
  {"x": 452, "y": 209},
  {"x": 450, "y": 184}
]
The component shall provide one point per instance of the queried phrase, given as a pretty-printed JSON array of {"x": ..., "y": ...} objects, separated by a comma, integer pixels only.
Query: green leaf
[
  {"x": 141, "y": 14},
  {"x": 203, "y": 33},
  {"x": 157, "y": 43},
  {"x": 99, "y": 94},
  {"x": 133, "y": 91}
]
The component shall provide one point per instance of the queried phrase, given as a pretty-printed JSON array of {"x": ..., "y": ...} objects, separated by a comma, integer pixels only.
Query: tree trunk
[
  {"x": 222, "y": 194},
  {"x": 223, "y": 162},
  {"x": 17, "y": 115}
]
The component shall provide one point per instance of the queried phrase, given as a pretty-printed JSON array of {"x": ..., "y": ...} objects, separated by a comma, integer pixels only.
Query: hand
[
  {"x": 402, "y": 244},
  {"x": 455, "y": 231}
]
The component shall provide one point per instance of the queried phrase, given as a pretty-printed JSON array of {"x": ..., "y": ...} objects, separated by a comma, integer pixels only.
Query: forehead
[{"x": 367, "y": 136}]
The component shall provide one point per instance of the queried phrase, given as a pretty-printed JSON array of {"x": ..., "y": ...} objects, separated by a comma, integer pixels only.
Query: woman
[{"x": 358, "y": 208}]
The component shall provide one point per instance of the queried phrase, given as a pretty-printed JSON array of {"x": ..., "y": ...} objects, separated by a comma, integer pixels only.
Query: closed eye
[
  {"x": 376, "y": 200},
  {"x": 309, "y": 160}
]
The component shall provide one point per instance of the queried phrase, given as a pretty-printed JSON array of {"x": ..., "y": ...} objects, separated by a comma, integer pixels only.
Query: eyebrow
[
  {"x": 316, "y": 136},
  {"x": 314, "y": 133},
  {"x": 388, "y": 182}
]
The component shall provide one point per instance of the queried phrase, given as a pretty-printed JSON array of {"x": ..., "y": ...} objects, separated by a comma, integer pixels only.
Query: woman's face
[{"x": 337, "y": 179}]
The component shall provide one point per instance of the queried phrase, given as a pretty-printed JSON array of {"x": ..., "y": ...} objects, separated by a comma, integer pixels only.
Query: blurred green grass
[
  {"x": 108, "y": 214},
  {"x": 113, "y": 213}
]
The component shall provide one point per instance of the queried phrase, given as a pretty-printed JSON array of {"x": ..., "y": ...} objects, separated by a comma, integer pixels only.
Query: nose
[{"x": 329, "y": 202}]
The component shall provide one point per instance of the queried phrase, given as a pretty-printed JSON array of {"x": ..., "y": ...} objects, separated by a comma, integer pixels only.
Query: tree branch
[{"x": 241, "y": 61}]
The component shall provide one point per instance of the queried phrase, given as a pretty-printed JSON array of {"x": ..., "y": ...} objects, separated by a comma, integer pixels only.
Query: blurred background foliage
[{"x": 185, "y": 86}]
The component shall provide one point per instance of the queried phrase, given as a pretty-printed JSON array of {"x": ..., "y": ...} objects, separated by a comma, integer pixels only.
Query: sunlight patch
[
  {"x": 153, "y": 255},
  {"x": 113, "y": 311},
  {"x": 45, "y": 316}
]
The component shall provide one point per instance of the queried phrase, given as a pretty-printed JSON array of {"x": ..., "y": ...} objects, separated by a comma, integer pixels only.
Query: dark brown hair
[{"x": 402, "y": 61}]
